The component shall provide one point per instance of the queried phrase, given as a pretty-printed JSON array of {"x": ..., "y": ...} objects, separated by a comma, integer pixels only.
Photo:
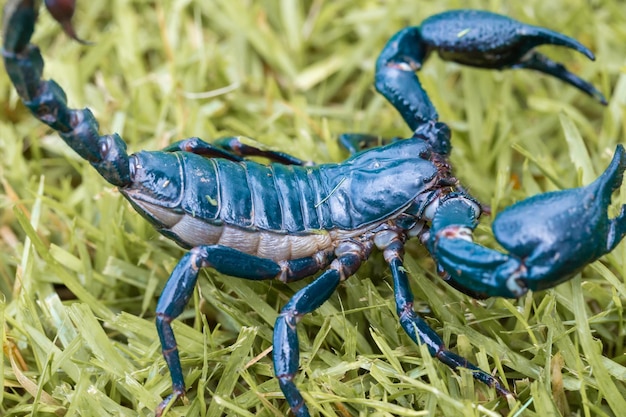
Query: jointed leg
[
  {"x": 181, "y": 284},
  {"x": 286, "y": 350},
  {"x": 198, "y": 146},
  {"x": 179, "y": 288},
  {"x": 236, "y": 145},
  {"x": 233, "y": 148},
  {"x": 418, "y": 329}
]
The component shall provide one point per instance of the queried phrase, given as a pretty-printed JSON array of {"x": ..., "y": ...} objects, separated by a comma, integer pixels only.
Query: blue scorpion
[{"x": 288, "y": 220}]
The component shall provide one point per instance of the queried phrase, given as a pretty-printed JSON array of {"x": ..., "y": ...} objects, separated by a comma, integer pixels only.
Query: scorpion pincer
[{"x": 289, "y": 220}]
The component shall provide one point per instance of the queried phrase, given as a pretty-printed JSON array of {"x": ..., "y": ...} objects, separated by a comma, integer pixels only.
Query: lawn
[{"x": 81, "y": 272}]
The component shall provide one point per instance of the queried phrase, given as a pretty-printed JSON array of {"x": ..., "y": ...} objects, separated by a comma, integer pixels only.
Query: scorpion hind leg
[
  {"x": 245, "y": 147},
  {"x": 233, "y": 148},
  {"x": 181, "y": 284},
  {"x": 180, "y": 287},
  {"x": 198, "y": 146}
]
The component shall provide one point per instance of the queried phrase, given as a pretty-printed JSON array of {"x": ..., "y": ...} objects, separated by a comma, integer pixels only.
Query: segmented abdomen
[
  {"x": 367, "y": 188},
  {"x": 250, "y": 195}
]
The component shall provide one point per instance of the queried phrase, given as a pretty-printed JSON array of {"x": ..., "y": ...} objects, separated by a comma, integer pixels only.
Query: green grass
[{"x": 80, "y": 272}]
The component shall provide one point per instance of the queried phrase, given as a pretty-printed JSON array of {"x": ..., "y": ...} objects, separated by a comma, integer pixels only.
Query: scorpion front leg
[
  {"x": 550, "y": 237},
  {"x": 357, "y": 142},
  {"x": 417, "y": 329}
]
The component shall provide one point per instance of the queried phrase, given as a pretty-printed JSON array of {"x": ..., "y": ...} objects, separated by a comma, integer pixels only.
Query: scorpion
[{"x": 289, "y": 219}]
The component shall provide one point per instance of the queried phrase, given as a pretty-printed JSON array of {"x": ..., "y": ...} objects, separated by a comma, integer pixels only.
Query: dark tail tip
[{"x": 63, "y": 11}]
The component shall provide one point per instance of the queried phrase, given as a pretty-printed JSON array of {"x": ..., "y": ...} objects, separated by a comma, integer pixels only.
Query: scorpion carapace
[{"x": 289, "y": 219}]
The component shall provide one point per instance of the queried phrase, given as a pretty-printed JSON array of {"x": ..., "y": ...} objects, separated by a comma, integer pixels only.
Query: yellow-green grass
[{"x": 80, "y": 272}]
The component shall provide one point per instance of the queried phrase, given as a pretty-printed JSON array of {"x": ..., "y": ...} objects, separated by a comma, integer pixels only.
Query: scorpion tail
[
  {"x": 18, "y": 25},
  {"x": 47, "y": 101},
  {"x": 63, "y": 12}
]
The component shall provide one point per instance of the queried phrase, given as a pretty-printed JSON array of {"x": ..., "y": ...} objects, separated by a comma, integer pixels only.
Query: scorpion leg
[
  {"x": 418, "y": 330},
  {"x": 198, "y": 146},
  {"x": 236, "y": 145},
  {"x": 182, "y": 281},
  {"x": 179, "y": 288},
  {"x": 286, "y": 350},
  {"x": 233, "y": 148},
  {"x": 550, "y": 237}
]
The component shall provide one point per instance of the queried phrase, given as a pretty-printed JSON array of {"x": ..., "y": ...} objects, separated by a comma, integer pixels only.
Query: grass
[{"x": 80, "y": 272}]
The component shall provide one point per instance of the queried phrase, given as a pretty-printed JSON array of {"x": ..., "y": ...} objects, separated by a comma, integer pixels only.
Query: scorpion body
[
  {"x": 290, "y": 219},
  {"x": 278, "y": 211}
]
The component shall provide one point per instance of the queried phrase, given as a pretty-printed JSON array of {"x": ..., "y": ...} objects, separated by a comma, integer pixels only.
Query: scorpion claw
[
  {"x": 470, "y": 37},
  {"x": 559, "y": 233},
  {"x": 550, "y": 237},
  {"x": 541, "y": 63},
  {"x": 526, "y": 37},
  {"x": 488, "y": 40},
  {"x": 63, "y": 12}
]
